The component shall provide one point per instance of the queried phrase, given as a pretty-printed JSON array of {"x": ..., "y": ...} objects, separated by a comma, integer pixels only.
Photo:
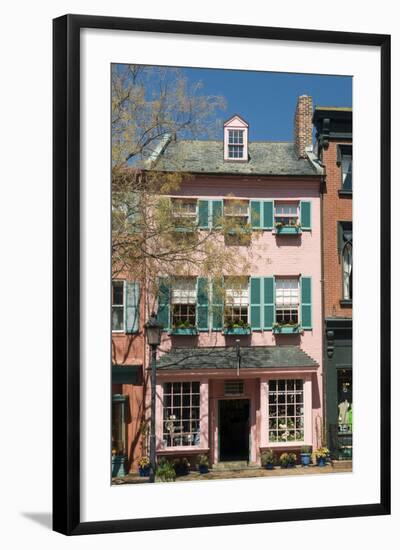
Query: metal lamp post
[{"x": 153, "y": 332}]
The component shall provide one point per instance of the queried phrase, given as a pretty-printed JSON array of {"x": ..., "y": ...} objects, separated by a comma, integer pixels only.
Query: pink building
[{"x": 244, "y": 372}]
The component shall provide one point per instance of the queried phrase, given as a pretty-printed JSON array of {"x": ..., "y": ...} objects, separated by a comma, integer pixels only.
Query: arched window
[{"x": 347, "y": 256}]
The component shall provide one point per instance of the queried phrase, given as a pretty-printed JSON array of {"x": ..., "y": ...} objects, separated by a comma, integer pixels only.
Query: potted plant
[
  {"x": 181, "y": 466},
  {"x": 267, "y": 459},
  {"x": 165, "y": 471},
  {"x": 305, "y": 455},
  {"x": 144, "y": 466},
  {"x": 203, "y": 464},
  {"x": 287, "y": 460},
  {"x": 321, "y": 455}
]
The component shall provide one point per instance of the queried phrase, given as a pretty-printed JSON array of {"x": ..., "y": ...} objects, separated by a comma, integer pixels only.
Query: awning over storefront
[
  {"x": 126, "y": 374},
  {"x": 251, "y": 357}
]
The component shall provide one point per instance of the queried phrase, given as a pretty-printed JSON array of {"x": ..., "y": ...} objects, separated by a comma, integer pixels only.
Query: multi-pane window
[
  {"x": 286, "y": 213},
  {"x": 236, "y": 301},
  {"x": 346, "y": 159},
  {"x": 237, "y": 211},
  {"x": 235, "y": 144},
  {"x": 237, "y": 229},
  {"x": 117, "y": 305},
  {"x": 285, "y": 411},
  {"x": 287, "y": 301},
  {"x": 183, "y": 302},
  {"x": 184, "y": 212},
  {"x": 181, "y": 414}
]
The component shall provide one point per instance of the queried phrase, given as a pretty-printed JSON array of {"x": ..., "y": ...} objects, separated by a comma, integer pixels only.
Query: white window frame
[
  {"x": 289, "y": 306},
  {"x": 285, "y": 404},
  {"x": 182, "y": 214},
  {"x": 239, "y": 143},
  {"x": 170, "y": 422},
  {"x": 188, "y": 302},
  {"x": 278, "y": 204},
  {"x": 244, "y": 302},
  {"x": 118, "y": 331}
]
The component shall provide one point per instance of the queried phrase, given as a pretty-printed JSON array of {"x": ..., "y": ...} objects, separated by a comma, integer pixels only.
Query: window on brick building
[
  {"x": 118, "y": 306},
  {"x": 345, "y": 249},
  {"x": 345, "y": 161}
]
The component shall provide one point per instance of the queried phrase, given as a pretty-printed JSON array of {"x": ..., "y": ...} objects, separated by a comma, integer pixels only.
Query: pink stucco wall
[{"x": 268, "y": 255}]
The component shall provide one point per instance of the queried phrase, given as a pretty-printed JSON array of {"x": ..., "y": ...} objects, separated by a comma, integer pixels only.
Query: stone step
[
  {"x": 342, "y": 464},
  {"x": 235, "y": 465}
]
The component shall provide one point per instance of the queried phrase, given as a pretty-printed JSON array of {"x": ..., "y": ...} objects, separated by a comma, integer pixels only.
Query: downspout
[{"x": 323, "y": 336}]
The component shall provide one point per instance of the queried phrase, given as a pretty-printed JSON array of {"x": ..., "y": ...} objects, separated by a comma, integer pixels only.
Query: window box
[
  {"x": 287, "y": 230},
  {"x": 286, "y": 329},
  {"x": 184, "y": 331},
  {"x": 237, "y": 331}
]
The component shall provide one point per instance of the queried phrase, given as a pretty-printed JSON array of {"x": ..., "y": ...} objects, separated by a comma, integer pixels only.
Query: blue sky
[{"x": 267, "y": 101}]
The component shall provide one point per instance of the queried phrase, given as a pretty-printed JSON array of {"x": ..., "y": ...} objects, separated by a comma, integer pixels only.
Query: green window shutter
[
  {"x": 203, "y": 214},
  {"x": 202, "y": 303},
  {"x": 132, "y": 297},
  {"x": 268, "y": 214},
  {"x": 269, "y": 302},
  {"x": 305, "y": 214},
  {"x": 163, "y": 315},
  {"x": 306, "y": 309},
  {"x": 216, "y": 207},
  {"x": 217, "y": 304},
  {"x": 255, "y": 214},
  {"x": 255, "y": 303}
]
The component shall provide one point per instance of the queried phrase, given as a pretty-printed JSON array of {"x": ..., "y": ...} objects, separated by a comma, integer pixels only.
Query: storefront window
[
  {"x": 345, "y": 401},
  {"x": 119, "y": 425},
  {"x": 181, "y": 419},
  {"x": 286, "y": 410}
]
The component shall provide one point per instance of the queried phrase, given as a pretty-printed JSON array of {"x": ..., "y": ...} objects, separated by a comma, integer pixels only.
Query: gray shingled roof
[
  {"x": 265, "y": 158},
  {"x": 254, "y": 357}
]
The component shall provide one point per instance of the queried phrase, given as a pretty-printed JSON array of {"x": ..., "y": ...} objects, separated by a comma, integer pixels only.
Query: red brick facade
[{"x": 336, "y": 208}]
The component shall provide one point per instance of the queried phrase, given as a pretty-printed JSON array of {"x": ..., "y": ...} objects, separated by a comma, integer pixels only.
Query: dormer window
[
  {"x": 236, "y": 139},
  {"x": 235, "y": 144}
]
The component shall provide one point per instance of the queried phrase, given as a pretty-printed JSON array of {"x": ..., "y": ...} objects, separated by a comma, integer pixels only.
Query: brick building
[{"x": 334, "y": 148}]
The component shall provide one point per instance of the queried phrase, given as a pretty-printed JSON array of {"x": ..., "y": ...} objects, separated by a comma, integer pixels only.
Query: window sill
[
  {"x": 345, "y": 193},
  {"x": 346, "y": 303},
  {"x": 184, "y": 331},
  {"x": 288, "y": 231},
  {"x": 287, "y": 329},
  {"x": 182, "y": 449},
  {"x": 238, "y": 331},
  {"x": 284, "y": 444}
]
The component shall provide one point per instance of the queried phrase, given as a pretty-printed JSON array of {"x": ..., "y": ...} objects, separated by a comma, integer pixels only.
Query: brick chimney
[{"x": 303, "y": 125}]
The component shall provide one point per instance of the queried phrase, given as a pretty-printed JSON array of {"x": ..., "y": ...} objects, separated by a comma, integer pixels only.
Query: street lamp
[{"x": 153, "y": 332}]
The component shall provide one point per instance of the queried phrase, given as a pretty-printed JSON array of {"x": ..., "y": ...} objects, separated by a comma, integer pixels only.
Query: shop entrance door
[{"x": 234, "y": 429}]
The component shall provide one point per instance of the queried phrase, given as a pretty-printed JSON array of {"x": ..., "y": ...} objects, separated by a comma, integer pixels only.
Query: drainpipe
[{"x": 324, "y": 393}]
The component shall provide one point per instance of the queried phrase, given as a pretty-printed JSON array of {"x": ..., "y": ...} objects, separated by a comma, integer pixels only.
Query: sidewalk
[{"x": 246, "y": 473}]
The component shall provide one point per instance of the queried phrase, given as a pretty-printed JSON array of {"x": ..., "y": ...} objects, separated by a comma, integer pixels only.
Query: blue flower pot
[
  {"x": 144, "y": 472},
  {"x": 118, "y": 464},
  {"x": 269, "y": 466},
  {"x": 305, "y": 459},
  {"x": 203, "y": 469},
  {"x": 321, "y": 461}
]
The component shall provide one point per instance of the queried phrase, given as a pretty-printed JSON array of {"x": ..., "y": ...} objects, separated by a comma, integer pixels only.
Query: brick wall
[{"x": 335, "y": 208}]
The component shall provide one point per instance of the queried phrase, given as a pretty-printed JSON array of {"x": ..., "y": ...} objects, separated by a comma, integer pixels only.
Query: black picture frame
[{"x": 66, "y": 273}]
